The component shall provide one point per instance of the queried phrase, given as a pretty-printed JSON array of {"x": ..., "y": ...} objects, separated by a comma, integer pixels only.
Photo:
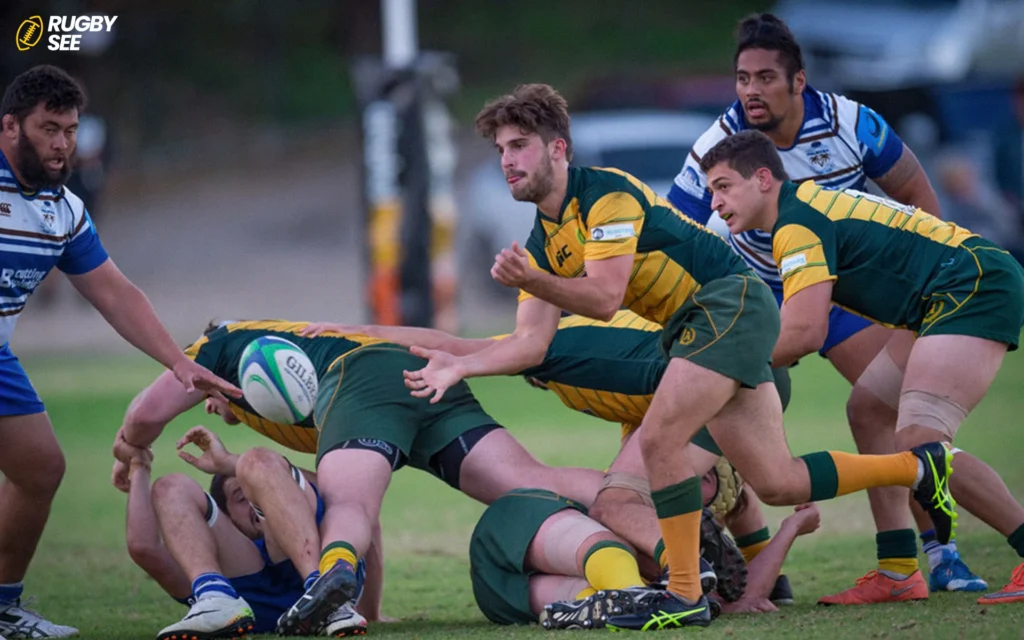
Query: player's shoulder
[
  {"x": 802, "y": 203},
  {"x": 594, "y": 183},
  {"x": 728, "y": 123},
  {"x": 75, "y": 207}
]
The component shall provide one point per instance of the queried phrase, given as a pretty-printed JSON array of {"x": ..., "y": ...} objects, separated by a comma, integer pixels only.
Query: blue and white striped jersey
[
  {"x": 840, "y": 145},
  {"x": 39, "y": 231}
]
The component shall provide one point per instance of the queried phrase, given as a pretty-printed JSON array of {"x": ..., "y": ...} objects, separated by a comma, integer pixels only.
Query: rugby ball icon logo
[{"x": 30, "y": 32}]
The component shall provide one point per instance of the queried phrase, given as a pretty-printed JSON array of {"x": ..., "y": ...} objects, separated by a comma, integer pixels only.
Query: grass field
[{"x": 82, "y": 574}]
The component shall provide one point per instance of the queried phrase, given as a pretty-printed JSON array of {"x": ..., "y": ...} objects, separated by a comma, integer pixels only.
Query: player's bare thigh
[
  {"x": 852, "y": 356},
  {"x": 946, "y": 377},
  {"x": 630, "y": 459},
  {"x": 749, "y": 431}
]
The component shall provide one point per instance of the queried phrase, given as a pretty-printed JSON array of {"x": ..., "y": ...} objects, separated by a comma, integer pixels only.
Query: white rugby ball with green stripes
[{"x": 278, "y": 380}]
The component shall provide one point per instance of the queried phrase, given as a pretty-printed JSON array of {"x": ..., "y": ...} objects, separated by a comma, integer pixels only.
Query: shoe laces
[
  {"x": 1017, "y": 578},
  {"x": 24, "y": 606},
  {"x": 867, "y": 577}
]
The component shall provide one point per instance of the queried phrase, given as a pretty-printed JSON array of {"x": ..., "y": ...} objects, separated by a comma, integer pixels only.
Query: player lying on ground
[
  {"x": 721, "y": 323},
  {"x": 536, "y": 556},
  {"x": 609, "y": 370},
  {"x": 46, "y": 226},
  {"x": 239, "y": 566},
  {"x": 365, "y": 425},
  {"x": 961, "y": 295},
  {"x": 838, "y": 143}
]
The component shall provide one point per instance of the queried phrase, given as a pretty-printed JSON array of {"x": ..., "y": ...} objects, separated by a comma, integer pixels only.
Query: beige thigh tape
[
  {"x": 929, "y": 410},
  {"x": 883, "y": 378},
  {"x": 629, "y": 482}
]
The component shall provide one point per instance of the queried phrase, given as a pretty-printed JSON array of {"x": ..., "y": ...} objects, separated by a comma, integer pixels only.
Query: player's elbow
[
  {"x": 606, "y": 311},
  {"x": 812, "y": 337}
]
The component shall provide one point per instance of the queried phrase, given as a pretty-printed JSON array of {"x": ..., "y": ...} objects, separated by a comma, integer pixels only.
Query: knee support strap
[
  {"x": 925, "y": 409},
  {"x": 628, "y": 482}
]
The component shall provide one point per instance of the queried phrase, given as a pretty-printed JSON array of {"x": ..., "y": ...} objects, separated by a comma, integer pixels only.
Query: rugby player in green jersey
[{"x": 960, "y": 295}]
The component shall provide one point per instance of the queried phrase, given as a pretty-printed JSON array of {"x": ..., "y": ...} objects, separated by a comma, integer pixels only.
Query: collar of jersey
[{"x": 575, "y": 175}]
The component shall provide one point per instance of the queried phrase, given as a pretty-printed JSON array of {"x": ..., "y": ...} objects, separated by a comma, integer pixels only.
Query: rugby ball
[{"x": 278, "y": 380}]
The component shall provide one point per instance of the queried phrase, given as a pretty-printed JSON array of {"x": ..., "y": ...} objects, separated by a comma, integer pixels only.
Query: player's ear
[
  {"x": 799, "y": 82},
  {"x": 558, "y": 149},
  {"x": 764, "y": 179},
  {"x": 9, "y": 125}
]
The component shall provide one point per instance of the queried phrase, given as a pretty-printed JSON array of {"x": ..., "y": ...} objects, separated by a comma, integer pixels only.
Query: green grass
[{"x": 82, "y": 574}]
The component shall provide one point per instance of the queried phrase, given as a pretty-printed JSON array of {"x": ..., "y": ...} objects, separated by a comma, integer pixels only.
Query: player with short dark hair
[
  {"x": 960, "y": 295},
  {"x": 720, "y": 321},
  {"x": 230, "y": 553},
  {"x": 43, "y": 225},
  {"x": 838, "y": 143}
]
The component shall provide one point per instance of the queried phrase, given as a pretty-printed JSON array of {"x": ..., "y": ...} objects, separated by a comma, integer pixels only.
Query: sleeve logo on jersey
[
  {"x": 689, "y": 181},
  {"x": 608, "y": 232},
  {"x": 792, "y": 262}
]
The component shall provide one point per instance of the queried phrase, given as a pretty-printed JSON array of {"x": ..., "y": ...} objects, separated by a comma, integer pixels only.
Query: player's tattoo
[{"x": 900, "y": 173}]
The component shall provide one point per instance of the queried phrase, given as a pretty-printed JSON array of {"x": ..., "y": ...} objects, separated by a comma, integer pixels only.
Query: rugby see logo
[{"x": 65, "y": 31}]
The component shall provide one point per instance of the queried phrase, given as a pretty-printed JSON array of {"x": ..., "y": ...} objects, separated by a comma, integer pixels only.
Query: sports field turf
[{"x": 82, "y": 575}]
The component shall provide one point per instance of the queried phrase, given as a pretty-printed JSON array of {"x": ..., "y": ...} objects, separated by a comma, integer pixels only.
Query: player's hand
[
  {"x": 119, "y": 476},
  {"x": 314, "y": 329},
  {"x": 438, "y": 376},
  {"x": 215, "y": 406},
  {"x": 194, "y": 376},
  {"x": 214, "y": 459},
  {"x": 749, "y": 605},
  {"x": 806, "y": 518},
  {"x": 123, "y": 450},
  {"x": 512, "y": 267}
]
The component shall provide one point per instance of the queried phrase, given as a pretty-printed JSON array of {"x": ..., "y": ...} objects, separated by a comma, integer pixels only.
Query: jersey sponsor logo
[
  {"x": 687, "y": 337},
  {"x": 871, "y": 129},
  {"x": 792, "y": 262},
  {"x": 691, "y": 183},
  {"x": 563, "y": 255},
  {"x": 21, "y": 278},
  {"x": 5, "y": 209},
  {"x": 619, "y": 231},
  {"x": 820, "y": 157}
]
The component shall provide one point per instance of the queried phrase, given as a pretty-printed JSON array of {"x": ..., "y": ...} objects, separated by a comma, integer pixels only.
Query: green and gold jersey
[
  {"x": 221, "y": 350},
  {"x": 605, "y": 369},
  {"x": 608, "y": 213},
  {"x": 881, "y": 255}
]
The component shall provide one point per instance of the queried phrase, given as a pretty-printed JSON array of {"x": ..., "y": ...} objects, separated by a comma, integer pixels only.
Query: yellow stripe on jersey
[
  {"x": 301, "y": 439},
  {"x": 614, "y": 407},
  {"x": 851, "y": 204},
  {"x": 801, "y": 259}
]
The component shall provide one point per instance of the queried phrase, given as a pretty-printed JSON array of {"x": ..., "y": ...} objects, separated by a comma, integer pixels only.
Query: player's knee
[
  {"x": 778, "y": 490},
  {"x": 259, "y": 463},
  {"x": 176, "y": 487},
  {"x": 868, "y": 414},
  {"x": 45, "y": 476}
]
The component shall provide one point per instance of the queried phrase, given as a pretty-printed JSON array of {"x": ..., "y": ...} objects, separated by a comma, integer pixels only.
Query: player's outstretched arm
[
  {"x": 405, "y": 336},
  {"x": 156, "y": 405},
  {"x": 765, "y": 568},
  {"x": 127, "y": 309},
  {"x": 804, "y": 324},
  {"x": 143, "y": 533},
  {"x": 536, "y": 324}
]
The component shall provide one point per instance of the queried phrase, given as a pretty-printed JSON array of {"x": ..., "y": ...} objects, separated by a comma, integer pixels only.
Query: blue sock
[
  {"x": 310, "y": 579},
  {"x": 212, "y": 584},
  {"x": 11, "y": 593},
  {"x": 931, "y": 546}
]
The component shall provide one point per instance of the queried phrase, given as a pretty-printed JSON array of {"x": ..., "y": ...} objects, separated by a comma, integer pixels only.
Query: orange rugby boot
[
  {"x": 1013, "y": 592},
  {"x": 876, "y": 587}
]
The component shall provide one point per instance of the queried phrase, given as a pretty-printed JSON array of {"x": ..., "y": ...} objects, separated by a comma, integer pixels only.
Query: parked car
[
  {"x": 889, "y": 44},
  {"x": 651, "y": 145}
]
